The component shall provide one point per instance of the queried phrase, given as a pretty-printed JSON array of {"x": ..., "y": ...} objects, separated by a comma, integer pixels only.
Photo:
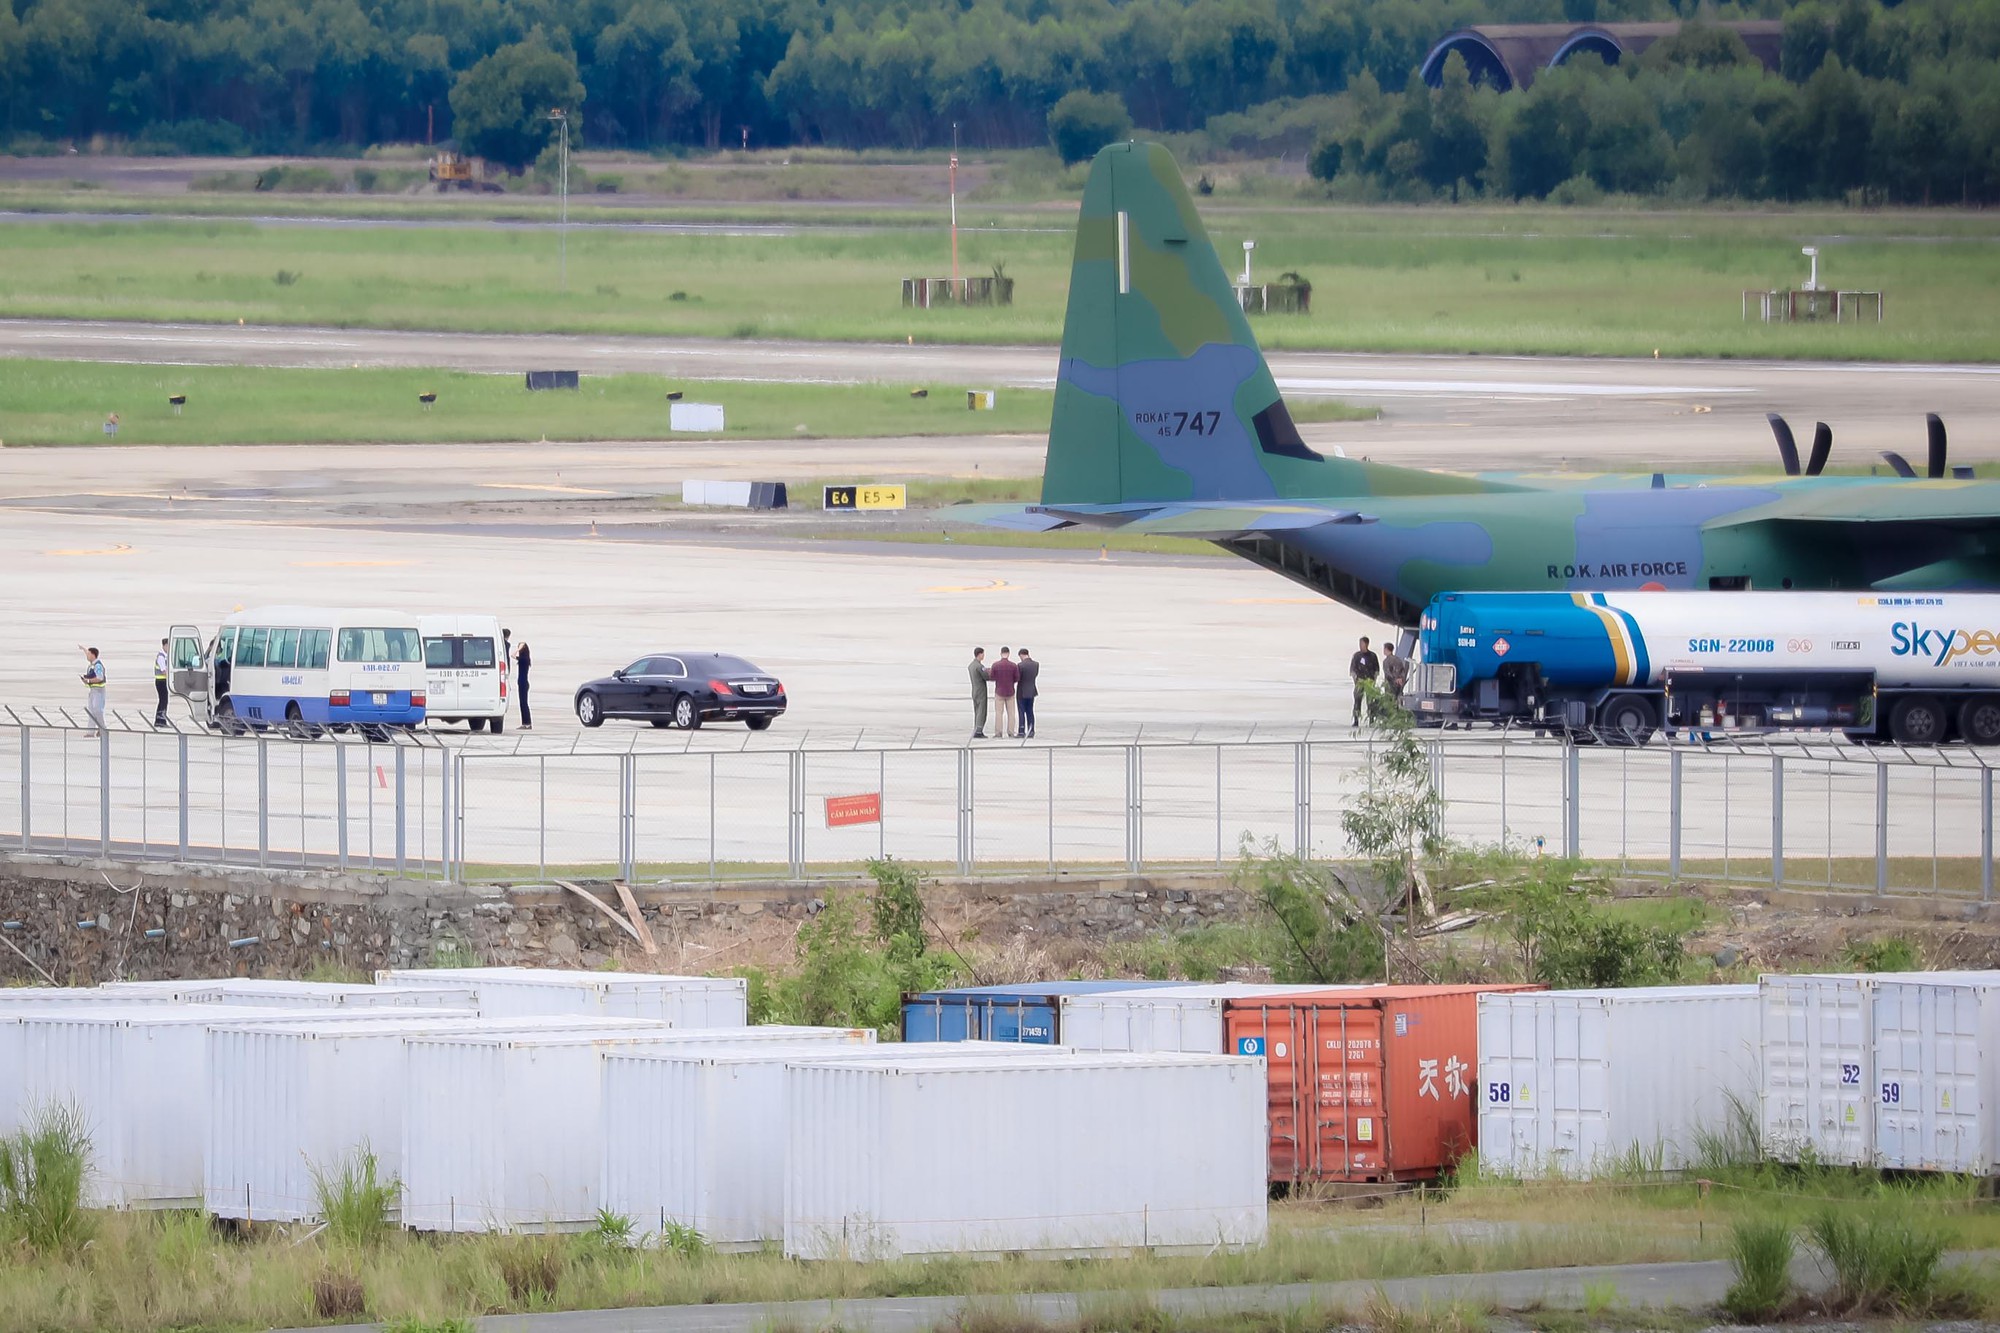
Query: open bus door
[{"x": 188, "y": 674}]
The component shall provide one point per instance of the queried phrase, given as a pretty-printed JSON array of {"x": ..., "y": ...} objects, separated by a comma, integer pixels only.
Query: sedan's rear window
[{"x": 728, "y": 666}]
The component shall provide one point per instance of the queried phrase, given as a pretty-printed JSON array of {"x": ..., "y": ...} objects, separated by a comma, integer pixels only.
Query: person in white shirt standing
[{"x": 160, "y": 684}]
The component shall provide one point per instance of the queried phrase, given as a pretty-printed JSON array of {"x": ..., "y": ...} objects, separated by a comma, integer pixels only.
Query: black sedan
[{"x": 684, "y": 690}]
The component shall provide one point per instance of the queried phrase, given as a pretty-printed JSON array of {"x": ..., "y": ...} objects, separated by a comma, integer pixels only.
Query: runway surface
[{"x": 1453, "y": 411}]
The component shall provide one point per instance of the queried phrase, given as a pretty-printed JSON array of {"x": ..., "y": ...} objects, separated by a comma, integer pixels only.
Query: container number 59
[{"x": 1892, "y": 1094}]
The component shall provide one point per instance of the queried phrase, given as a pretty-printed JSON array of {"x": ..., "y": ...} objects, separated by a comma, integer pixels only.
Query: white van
[{"x": 467, "y": 662}]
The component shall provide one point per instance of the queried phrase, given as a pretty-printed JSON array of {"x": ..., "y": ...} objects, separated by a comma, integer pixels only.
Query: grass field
[
  {"x": 1541, "y": 280},
  {"x": 66, "y": 402}
]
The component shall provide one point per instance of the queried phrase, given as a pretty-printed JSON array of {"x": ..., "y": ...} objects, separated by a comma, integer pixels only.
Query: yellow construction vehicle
[{"x": 450, "y": 170}]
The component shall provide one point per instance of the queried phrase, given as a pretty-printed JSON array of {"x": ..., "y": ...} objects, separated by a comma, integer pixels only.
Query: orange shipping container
[{"x": 1370, "y": 1084}]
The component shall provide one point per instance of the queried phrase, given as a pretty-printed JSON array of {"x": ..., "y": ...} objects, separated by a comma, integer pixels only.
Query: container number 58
[{"x": 1499, "y": 1092}]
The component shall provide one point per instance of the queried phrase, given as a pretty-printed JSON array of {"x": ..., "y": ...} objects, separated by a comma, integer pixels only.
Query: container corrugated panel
[
  {"x": 504, "y": 1133},
  {"x": 522, "y": 992},
  {"x": 1818, "y": 1067},
  {"x": 1035, "y": 1154},
  {"x": 139, "y": 1079},
  {"x": 1936, "y": 1081},
  {"x": 288, "y": 1099},
  {"x": 696, "y": 1137},
  {"x": 1573, "y": 1083},
  {"x": 18, "y": 1001},
  {"x": 1370, "y": 1084},
  {"x": 279, "y": 993},
  {"x": 1028, "y": 1011},
  {"x": 1167, "y": 1018}
]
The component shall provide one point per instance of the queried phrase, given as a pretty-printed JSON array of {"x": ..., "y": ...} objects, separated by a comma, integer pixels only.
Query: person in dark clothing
[
  {"x": 522, "y": 660},
  {"x": 1025, "y": 690},
  {"x": 1365, "y": 667}
]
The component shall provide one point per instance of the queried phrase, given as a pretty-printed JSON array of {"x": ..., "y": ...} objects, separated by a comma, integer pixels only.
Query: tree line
[{"x": 1898, "y": 102}]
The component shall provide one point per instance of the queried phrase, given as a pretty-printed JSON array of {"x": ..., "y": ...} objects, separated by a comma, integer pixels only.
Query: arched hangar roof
[{"x": 1509, "y": 55}]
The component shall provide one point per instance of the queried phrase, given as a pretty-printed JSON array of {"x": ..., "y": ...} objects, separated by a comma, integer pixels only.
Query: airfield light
[
  {"x": 1248, "y": 246},
  {"x": 1812, "y": 279}
]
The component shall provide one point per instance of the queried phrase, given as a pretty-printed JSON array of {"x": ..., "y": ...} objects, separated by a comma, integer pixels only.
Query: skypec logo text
[{"x": 1910, "y": 638}]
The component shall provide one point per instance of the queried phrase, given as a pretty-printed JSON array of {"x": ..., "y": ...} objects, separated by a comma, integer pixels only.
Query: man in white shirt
[{"x": 160, "y": 684}]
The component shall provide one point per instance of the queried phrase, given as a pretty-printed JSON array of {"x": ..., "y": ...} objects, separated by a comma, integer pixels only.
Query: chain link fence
[{"x": 1826, "y": 815}]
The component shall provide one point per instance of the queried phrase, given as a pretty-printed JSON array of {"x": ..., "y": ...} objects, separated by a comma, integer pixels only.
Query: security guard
[
  {"x": 160, "y": 684},
  {"x": 93, "y": 688}
]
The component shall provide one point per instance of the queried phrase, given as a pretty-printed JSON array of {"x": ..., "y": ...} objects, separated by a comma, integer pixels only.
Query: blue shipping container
[{"x": 1026, "y": 1012}]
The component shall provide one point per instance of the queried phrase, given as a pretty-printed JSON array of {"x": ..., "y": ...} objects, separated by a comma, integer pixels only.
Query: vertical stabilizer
[{"x": 1162, "y": 393}]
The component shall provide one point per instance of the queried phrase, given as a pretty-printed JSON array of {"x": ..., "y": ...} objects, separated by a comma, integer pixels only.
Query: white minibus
[{"x": 304, "y": 669}]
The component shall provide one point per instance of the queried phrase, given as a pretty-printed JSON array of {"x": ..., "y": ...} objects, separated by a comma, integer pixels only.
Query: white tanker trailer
[{"x": 1915, "y": 668}]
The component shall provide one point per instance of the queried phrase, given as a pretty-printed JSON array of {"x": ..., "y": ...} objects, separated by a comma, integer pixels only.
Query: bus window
[
  {"x": 250, "y": 647},
  {"x": 225, "y": 644},
  {"x": 381, "y": 645},
  {"x": 284, "y": 649},
  {"x": 313, "y": 646},
  {"x": 437, "y": 652},
  {"x": 476, "y": 652}
]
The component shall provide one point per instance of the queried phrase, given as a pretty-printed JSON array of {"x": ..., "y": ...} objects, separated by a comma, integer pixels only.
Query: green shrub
[
  {"x": 1760, "y": 1256},
  {"x": 43, "y": 1168},
  {"x": 414, "y": 1325},
  {"x": 1081, "y": 123},
  {"x": 1891, "y": 953},
  {"x": 355, "y": 1200},
  {"x": 1884, "y": 1264},
  {"x": 1324, "y": 164}
]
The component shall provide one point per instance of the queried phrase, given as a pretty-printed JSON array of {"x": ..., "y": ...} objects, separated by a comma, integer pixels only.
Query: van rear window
[{"x": 458, "y": 652}]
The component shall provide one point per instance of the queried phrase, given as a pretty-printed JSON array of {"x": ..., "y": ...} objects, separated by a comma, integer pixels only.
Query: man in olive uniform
[
  {"x": 160, "y": 684},
  {"x": 977, "y": 671},
  {"x": 1363, "y": 666}
]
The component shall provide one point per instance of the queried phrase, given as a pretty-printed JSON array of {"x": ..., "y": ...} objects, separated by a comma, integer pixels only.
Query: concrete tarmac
[{"x": 1447, "y": 411}]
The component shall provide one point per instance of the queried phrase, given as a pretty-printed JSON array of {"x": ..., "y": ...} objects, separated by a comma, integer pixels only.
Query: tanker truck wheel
[
  {"x": 1918, "y": 720},
  {"x": 1979, "y": 720},
  {"x": 1627, "y": 721}
]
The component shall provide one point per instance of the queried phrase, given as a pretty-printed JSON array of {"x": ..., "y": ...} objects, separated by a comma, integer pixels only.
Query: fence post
[
  {"x": 1987, "y": 833},
  {"x": 1572, "y": 799},
  {"x": 797, "y": 815},
  {"x": 1218, "y": 805},
  {"x": 264, "y": 799},
  {"x": 1301, "y": 797},
  {"x": 104, "y": 791},
  {"x": 964, "y": 811},
  {"x": 628, "y": 814},
  {"x": 1135, "y": 800},
  {"x": 340, "y": 800},
  {"x": 402, "y": 808},
  {"x": 27, "y": 787},
  {"x": 445, "y": 829},
  {"x": 1881, "y": 827},
  {"x": 1674, "y": 815},
  {"x": 1777, "y": 820},
  {"x": 181, "y": 767}
]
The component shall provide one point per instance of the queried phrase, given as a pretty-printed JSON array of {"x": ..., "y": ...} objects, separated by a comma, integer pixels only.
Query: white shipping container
[
  {"x": 138, "y": 1077},
  {"x": 1936, "y": 1081},
  {"x": 696, "y": 1136},
  {"x": 1164, "y": 1018},
  {"x": 1063, "y": 1155},
  {"x": 527, "y": 992},
  {"x": 16, "y": 1001},
  {"x": 288, "y": 1099},
  {"x": 275, "y": 993},
  {"x": 1574, "y": 1082},
  {"x": 1817, "y": 1062},
  {"x": 505, "y": 1132}
]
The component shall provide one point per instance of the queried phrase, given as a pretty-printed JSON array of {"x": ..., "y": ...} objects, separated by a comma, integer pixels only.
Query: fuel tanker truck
[{"x": 1913, "y": 668}]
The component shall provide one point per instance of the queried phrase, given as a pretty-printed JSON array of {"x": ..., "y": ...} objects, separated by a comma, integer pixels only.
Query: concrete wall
[{"x": 361, "y": 922}]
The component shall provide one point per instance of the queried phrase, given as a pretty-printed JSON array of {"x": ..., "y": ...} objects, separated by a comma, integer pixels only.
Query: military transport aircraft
[{"x": 1167, "y": 421}]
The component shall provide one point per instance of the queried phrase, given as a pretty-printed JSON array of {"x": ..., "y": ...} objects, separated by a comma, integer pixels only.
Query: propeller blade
[
  {"x": 1899, "y": 464},
  {"x": 1822, "y": 448},
  {"x": 1788, "y": 448},
  {"x": 1936, "y": 428}
]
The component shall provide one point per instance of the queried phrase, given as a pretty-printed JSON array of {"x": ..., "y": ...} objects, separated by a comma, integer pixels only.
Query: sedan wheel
[
  {"x": 589, "y": 711},
  {"x": 686, "y": 716},
  {"x": 757, "y": 723}
]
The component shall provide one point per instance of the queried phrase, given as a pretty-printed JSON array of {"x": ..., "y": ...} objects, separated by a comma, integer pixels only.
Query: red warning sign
[{"x": 865, "y": 808}]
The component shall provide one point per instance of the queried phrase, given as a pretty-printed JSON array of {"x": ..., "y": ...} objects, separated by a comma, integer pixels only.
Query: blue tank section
[{"x": 1575, "y": 640}]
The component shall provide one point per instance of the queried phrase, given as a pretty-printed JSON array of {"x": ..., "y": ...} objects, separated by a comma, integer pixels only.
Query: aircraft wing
[
  {"x": 1956, "y": 503},
  {"x": 1210, "y": 520}
]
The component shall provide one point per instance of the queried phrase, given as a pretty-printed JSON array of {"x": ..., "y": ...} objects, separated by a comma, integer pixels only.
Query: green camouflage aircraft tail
[{"x": 1162, "y": 393}]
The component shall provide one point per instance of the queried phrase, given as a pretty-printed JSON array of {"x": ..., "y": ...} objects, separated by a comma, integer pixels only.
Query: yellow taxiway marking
[
  {"x": 120, "y": 549},
  {"x": 524, "y": 486},
  {"x": 997, "y": 585},
  {"x": 348, "y": 564}
]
